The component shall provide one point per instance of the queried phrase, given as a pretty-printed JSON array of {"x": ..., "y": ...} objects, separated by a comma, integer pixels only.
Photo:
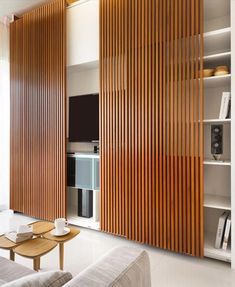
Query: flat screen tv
[{"x": 84, "y": 118}]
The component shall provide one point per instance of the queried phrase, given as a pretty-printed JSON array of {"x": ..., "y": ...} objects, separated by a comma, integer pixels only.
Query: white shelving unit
[
  {"x": 216, "y": 121},
  {"x": 217, "y": 81},
  {"x": 217, "y": 201},
  {"x": 217, "y": 162},
  {"x": 213, "y": 57},
  {"x": 217, "y": 52},
  {"x": 212, "y": 252}
]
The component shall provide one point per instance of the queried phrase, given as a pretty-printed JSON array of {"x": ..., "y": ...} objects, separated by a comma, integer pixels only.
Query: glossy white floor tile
[{"x": 168, "y": 269}]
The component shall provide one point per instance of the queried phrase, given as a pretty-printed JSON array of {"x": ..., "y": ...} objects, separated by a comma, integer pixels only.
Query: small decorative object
[
  {"x": 60, "y": 224},
  {"x": 24, "y": 232},
  {"x": 208, "y": 72},
  {"x": 216, "y": 141},
  {"x": 221, "y": 70}
]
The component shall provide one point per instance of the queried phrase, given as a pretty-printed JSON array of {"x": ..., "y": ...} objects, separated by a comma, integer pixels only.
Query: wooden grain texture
[
  {"x": 36, "y": 247},
  {"x": 38, "y": 112},
  {"x": 151, "y": 122}
]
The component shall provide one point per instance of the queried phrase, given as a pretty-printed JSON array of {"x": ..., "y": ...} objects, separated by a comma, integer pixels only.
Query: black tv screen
[{"x": 84, "y": 118}]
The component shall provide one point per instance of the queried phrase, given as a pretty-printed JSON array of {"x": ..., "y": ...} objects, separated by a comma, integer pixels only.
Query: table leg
[
  {"x": 61, "y": 245},
  {"x": 12, "y": 255},
  {"x": 36, "y": 263}
]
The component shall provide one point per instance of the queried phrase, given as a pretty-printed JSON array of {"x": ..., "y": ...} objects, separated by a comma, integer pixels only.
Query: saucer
[{"x": 65, "y": 232}]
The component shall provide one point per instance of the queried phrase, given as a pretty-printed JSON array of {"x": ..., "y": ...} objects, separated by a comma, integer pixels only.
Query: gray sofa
[{"x": 121, "y": 267}]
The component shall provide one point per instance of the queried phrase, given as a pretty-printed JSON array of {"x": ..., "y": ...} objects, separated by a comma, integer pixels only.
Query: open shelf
[
  {"x": 217, "y": 41},
  {"x": 217, "y": 201},
  {"x": 215, "y": 56},
  {"x": 217, "y": 173},
  {"x": 214, "y": 121},
  {"x": 221, "y": 32},
  {"x": 216, "y": 162},
  {"x": 217, "y": 81},
  {"x": 211, "y": 252}
]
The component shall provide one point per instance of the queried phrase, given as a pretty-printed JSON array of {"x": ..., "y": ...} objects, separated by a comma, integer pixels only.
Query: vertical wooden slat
[
  {"x": 155, "y": 125},
  {"x": 192, "y": 123},
  {"x": 180, "y": 123},
  {"x": 197, "y": 175},
  {"x": 188, "y": 131},
  {"x": 16, "y": 120},
  {"x": 151, "y": 97},
  {"x": 201, "y": 132},
  {"x": 42, "y": 101}
]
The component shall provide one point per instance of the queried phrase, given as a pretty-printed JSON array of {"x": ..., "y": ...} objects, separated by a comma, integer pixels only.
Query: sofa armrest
[
  {"x": 122, "y": 266},
  {"x": 10, "y": 270}
]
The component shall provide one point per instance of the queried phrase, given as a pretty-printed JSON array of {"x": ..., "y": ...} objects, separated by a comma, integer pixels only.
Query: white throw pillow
[{"x": 41, "y": 279}]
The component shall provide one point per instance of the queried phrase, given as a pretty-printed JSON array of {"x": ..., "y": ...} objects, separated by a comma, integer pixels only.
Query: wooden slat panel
[
  {"x": 16, "y": 109},
  {"x": 151, "y": 134},
  {"x": 39, "y": 86}
]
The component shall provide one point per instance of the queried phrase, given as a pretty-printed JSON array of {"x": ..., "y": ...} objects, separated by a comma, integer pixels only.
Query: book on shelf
[
  {"x": 225, "y": 105},
  {"x": 227, "y": 233},
  {"x": 221, "y": 229}
]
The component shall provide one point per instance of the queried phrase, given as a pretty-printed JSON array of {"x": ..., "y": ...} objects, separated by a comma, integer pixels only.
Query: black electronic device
[
  {"x": 85, "y": 203},
  {"x": 216, "y": 139},
  {"x": 84, "y": 118},
  {"x": 71, "y": 171}
]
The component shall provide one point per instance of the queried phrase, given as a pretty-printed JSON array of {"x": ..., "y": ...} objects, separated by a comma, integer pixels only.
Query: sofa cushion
[
  {"x": 42, "y": 279},
  {"x": 123, "y": 266},
  {"x": 9, "y": 270}
]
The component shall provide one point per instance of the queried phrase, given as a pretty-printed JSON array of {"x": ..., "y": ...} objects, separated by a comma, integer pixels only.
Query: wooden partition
[
  {"x": 151, "y": 122},
  {"x": 38, "y": 107}
]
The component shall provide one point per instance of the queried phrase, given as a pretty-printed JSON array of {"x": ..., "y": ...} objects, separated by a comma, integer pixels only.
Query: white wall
[
  {"x": 83, "y": 32},
  {"x": 4, "y": 119}
]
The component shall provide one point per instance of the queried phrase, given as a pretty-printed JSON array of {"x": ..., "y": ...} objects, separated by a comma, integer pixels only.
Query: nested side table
[{"x": 61, "y": 240}]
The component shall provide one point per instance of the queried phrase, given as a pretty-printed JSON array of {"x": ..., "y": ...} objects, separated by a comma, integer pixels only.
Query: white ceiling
[{"x": 18, "y": 7}]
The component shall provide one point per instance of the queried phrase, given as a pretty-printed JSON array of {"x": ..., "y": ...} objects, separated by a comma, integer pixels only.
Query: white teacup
[{"x": 60, "y": 224}]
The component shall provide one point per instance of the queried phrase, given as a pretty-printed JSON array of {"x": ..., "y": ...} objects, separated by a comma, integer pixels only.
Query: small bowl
[
  {"x": 220, "y": 73},
  {"x": 208, "y": 72},
  {"x": 221, "y": 68}
]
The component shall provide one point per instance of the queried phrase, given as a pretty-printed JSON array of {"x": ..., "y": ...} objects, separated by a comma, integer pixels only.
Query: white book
[
  {"x": 227, "y": 233},
  {"x": 220, "y": 230},
  {"x": 224, "y": 106}
]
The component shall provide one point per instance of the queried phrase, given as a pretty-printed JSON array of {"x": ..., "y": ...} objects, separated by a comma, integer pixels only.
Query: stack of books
[
  {"x": 24, "y": 232},
  {"x": 223, "y": 231}
]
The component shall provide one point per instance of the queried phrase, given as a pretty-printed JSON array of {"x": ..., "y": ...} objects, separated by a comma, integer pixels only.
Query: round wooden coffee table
[
  {"x": 35, "y": 249},
  {"x": 61, "y": 240}
]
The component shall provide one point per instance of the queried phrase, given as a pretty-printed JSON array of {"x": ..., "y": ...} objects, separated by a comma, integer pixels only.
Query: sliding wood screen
[
  {"x": 38, "y": 112},
  {"x": 151, "y": 122}
]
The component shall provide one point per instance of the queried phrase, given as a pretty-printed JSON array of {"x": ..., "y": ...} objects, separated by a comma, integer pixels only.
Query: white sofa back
[{"x": 121, "y": 267}]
